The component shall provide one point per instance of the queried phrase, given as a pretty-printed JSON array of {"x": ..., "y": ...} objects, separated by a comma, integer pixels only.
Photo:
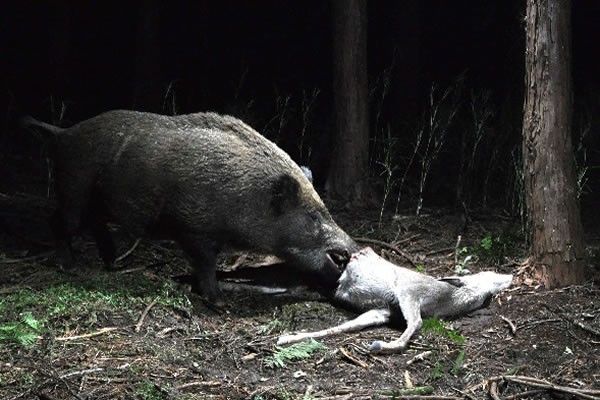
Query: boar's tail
[{"x": 32, "y": 123}]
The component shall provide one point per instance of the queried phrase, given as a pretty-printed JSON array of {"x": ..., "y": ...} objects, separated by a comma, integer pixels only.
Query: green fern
[
  {"x": 298, "y": 351},
  {"x": 458, "y": 363},
  {"x": 439, "y": 327},
  {"x": 24, "y": 332}
]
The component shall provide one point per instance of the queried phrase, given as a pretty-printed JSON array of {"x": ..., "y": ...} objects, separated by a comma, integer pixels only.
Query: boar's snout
[
  {"x": 339, "y": 258},
  {"x": 336, "y": 260}
]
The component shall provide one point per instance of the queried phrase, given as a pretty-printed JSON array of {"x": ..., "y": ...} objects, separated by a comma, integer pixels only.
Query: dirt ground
[{"x": 528, "y": 343}]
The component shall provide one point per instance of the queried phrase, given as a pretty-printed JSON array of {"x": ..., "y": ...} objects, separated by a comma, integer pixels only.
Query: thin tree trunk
[
  {"x": 348, "y": 171},
  {"x": 556, "y": 236}
]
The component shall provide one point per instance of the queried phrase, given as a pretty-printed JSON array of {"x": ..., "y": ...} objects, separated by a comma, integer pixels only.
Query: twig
[
  {"x": 456, "y": 251},
  {"x": 199, "y": 383},
  {"x": 467, "y": 395},
  {"x": 5, "y": 260},
  {"x": 525, "y": 394},
  {"x": 353, "y": 359},
  {"x": 581, "y": 325},
  {"x": 444, "y": 250},
  {"x": 513, "y": 328},
  {"x": 542, "y": 384},
  {"x": 426, "y": 397},
  {"x": 494, "y": 391},
  {"x": 128, "y": 252},
  {"x": 388, "y": 246},
  {"x": 82, "y": 372},
  {"x": 419, "y": 357},
  {"x": 135, "y": 269},
  {"x": 405, "y": 240},
  {"x": 562, "y": 313},
  {"x": 542, "y": 321},
  {"x": 140, "y": 322},
  {"x": 87, "y": 335}
]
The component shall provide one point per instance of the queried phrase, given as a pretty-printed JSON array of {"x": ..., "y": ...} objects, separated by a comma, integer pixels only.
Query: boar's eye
[
  {"x": 314, "y": 222},
  {"x": 313, "y": 217}
]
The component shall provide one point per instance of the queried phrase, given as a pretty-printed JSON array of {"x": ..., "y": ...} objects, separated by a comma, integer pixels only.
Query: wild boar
[
  {"x": 383, "y": 291},
  {"x": 204, "y": 180}
]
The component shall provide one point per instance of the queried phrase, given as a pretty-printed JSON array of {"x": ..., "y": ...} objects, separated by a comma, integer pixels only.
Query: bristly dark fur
[{"x": 204, "y": 180}]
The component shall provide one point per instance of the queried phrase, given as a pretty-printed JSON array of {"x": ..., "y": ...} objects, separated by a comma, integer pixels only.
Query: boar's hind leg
[
  {"x": 96, "y": 220},
  {"x": 202, "y": 253},
  {"x": 73, "y": 195},
  {"x": 62, "y": 238}
]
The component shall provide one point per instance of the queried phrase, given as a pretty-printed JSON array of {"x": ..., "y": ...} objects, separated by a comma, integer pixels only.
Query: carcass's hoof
[
  {"x": 283, "y": 340},
  {"x": 375, "y": 346}
]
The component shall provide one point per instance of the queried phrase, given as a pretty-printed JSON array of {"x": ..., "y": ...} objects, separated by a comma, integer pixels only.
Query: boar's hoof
[
  {"x": 216, "y": 305},
  {"x": 339, "y": 258},
  {"x": 64, "y": 257}
]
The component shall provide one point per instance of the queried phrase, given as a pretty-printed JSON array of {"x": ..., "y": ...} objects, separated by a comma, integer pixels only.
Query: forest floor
[{"x": 136, "y": 333}]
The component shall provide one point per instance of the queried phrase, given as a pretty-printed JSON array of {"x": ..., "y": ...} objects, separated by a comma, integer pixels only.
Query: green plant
[
  {"x": 512, "y": 371},
  {"x": 486, "y": 243},
  {"x": 24, "y": 332},
  {"x": 147, "y": 390},
  {"x": 458, "y": 363},
  {"x": 496, "y": 247},
  {"x": 272, "y": 326},
  {"x": 389, "y": 168},
  {"x": 69, "y": 307},
  {"x": 440, "y": 116},
  {"x": 438, "y": 370},
  {"x": 462, "y": 260},
  {"x": 477, "y": 149},
  {"x": 439, "y": 327},
  {"x": 420, "y": 268},
  {"x": 298, "y": 351}
]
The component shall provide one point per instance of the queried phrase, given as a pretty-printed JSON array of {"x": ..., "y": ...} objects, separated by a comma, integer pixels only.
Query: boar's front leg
[
  {"x": 97, "y": 221},
  {"x": 202, "y": 253},
  {"x": 106, "y": 246}
]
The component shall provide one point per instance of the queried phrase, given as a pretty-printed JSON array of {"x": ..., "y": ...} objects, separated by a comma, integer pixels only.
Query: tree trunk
[
  {"x": 557, "y": 249},
  {"x": 347, "y": 178}
]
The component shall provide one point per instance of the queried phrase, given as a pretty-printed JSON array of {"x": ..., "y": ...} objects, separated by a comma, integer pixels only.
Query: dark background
[{"x": 258, "y": 60}]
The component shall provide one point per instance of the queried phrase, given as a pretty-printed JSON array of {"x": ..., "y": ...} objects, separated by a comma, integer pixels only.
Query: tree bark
[
  {"x": 347, "y": 178},
  {"x": 557, "y": 249}
]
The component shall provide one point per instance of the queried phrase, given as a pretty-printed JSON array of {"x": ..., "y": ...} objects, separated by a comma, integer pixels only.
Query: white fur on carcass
[{"x": 379, "y": 288}]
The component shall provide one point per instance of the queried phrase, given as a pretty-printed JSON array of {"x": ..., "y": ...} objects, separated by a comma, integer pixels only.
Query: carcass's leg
[
  {"x": 412, "y": 314},
  {"x": 370, "y": 318}
]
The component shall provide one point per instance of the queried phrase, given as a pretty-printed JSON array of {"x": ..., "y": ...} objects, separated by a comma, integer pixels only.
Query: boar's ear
[
  {"x": 308, "y": 173},
  {"x": 285, "y": 194}
]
